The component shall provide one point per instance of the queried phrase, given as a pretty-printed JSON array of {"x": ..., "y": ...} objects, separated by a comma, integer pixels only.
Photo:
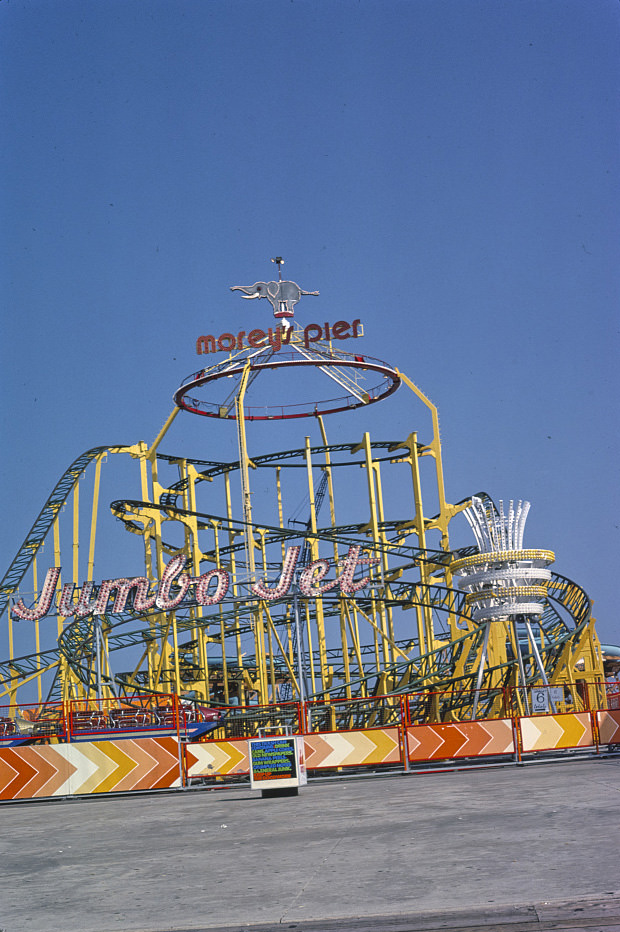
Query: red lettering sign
[{"x": 227, "y": 342}]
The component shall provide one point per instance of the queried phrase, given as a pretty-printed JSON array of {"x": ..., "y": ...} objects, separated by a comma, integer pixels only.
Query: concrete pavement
[{"x": 466, "y": 849}]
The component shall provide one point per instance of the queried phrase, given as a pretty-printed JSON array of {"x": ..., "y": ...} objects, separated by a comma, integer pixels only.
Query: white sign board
[
  {"x": 540, "y": 700},
  {"x": 277, "y": 762}
]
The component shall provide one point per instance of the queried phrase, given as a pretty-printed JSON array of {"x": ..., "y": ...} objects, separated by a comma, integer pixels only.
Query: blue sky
[{"x": 445, "y": 170}]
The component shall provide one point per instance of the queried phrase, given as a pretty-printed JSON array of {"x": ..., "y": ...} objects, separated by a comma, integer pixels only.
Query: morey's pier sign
[
  {"x": 278, "y": 337},
  {"x": 209, "y": 588}
]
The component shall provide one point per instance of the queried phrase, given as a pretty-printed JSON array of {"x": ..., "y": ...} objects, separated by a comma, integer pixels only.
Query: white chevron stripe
[{"x": 341, "y": 750}]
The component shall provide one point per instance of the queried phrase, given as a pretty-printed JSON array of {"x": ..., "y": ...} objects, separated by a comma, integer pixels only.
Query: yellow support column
[
  {"x": 250, "y": 543},
  {"x": 314, "y": 550},
  {"x": 376, "y": 537}
]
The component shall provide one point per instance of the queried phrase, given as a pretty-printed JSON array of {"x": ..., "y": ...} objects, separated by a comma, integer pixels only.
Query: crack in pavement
[{"x": 309, "y": 880}]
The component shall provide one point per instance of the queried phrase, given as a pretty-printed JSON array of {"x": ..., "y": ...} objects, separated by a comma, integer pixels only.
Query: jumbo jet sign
[{"x": 210, "y": 588}]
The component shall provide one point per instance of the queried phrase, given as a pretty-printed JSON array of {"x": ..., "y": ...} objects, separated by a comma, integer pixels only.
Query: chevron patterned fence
[
  {"x": 217, "y": 758},
  {"x": 33, "y": 771},
  {"x": 462, "y": 739},
  {"x": 368, "y": 747},
  {"x": 555, "y": 732},
  {"x": 608, "y": 726},
  {"x": 48, "y": 770}
]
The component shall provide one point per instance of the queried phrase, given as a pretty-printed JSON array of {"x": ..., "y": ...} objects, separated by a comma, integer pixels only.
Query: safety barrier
[
  {"x": 78, "y": 748},
  {"x": 613, "y": 700},
  {"x": 364, "y": 748},
  {"x": 32, "y": 722},
  {"x": 556, "y": 732},
  {"x": 217, "y": 759},
  {"x": 608, "y": 722},
  {"x": 34, "y": 771},
  {"x": 450, "y": 741}
]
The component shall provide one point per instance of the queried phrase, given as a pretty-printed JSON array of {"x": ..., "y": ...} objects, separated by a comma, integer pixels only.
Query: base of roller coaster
[{"x": 145, "y": 762}]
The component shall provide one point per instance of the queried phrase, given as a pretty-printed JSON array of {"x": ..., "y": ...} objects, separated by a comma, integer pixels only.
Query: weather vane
[{"x": 283, "y": 296}]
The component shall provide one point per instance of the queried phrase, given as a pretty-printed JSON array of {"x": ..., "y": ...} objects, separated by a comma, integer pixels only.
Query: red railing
[{"x": 155, "y": 714}]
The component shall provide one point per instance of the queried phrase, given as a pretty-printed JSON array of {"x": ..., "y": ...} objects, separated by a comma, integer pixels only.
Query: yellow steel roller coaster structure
[{"x": 236, "y": 603}]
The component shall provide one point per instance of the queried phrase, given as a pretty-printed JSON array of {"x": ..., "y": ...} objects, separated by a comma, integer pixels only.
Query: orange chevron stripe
[
  {"x": 143, "y": 766},
  {"x": 154, "y": 763},
  {"x": 140, "y": 764},
  {"x": 164, "y": 773},
  {"x": 28, "y": 772},
  {"x": 488, "y": 737},
  {"x": 609, "y": 726},
  {"x": 453, "y": 740},
  {"x": 501, "y": 737},
  {"x": 9, "y": 770},
  {"x": 424, "y": 742},
  {"x": 446, "y": 741},
  {"x": 51, "y": 770},
  {"x": 477, "y": 737},
  {"x": 64, "y": 769},
  {"x": 31, "y": 764},
  {"x": 16, "y": 773},
  {"x": 316, "y": 749}
]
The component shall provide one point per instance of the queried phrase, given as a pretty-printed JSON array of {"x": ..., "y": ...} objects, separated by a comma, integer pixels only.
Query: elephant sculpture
[{"x": 283, "y": 296}]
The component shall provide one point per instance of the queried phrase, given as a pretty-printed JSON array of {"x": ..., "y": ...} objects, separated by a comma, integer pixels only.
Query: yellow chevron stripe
[
  {"x": 577, "y": 730},
  {"x": 96, "y": 753},
  {"x": 387, "y": 744},
  {"x": 123, "y": 765},
  {"x": 219, "y": 757},
  {"x": 549, "y": 732}
]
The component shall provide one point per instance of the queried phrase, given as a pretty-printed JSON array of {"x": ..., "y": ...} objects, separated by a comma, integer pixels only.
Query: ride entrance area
[{"x": 309, "y": 593}]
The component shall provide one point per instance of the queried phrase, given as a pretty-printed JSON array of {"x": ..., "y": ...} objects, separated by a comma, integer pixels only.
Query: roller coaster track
[
  {"x": 76, "y": 641},
  {"x": 35, "y": 537},
  {"x": 23, "y": 669},
  {"x": 565, "y": 616},
  {"x": 343, "y": 534},
  {"x": 436, "y": 669}
]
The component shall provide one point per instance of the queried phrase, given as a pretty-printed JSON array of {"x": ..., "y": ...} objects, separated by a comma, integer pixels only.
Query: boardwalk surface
[{"x": 515, "y": 849}]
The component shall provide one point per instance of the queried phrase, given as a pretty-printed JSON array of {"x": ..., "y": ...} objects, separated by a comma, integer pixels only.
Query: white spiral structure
[{"x": 503, "y": 580}]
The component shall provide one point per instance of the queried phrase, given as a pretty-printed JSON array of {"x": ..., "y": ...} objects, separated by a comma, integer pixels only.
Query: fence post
[
  {"x": 516, "y": 731},
  {"x": 66, "y": 711},
  {"x": 595, "y": 732},
  {"x": 404, "y": 736},
  {"x": 594, "y": 723},
  {"x": 177, "y": 715}
]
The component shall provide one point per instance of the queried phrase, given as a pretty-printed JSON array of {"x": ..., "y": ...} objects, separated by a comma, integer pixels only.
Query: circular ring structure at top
[{"x": 349, "y": 371}]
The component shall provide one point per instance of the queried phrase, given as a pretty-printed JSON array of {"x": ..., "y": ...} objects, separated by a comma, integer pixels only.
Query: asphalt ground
[{"x": 516, "y": 849}]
